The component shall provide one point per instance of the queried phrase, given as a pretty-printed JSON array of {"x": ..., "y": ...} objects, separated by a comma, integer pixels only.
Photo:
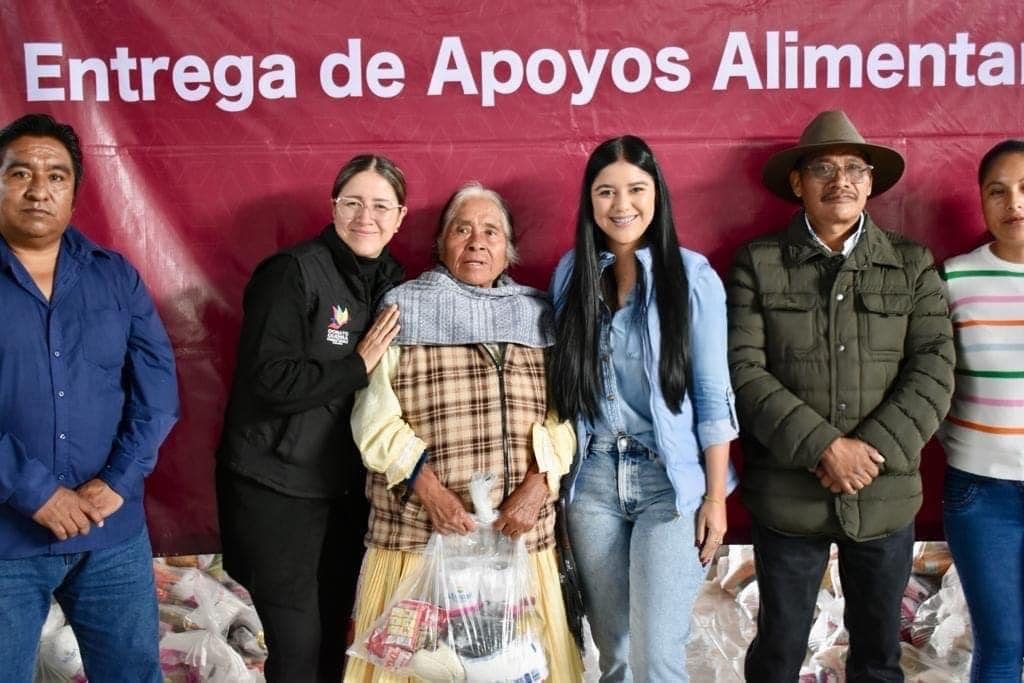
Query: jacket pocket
[
  {"x": 886, "y": 315},
  {"x": 790, "y": 321},
  {"x": 105, "y": 337},
  {"x": 309, "y": 436},
  {"x": 288, "y": 446}
]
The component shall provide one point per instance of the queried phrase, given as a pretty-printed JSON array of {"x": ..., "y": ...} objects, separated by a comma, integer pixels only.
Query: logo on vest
[{"x": 339, "y": 318}]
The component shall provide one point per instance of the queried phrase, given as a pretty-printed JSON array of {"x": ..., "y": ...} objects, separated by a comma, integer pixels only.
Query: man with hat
[{"x": 841, "y": 353}]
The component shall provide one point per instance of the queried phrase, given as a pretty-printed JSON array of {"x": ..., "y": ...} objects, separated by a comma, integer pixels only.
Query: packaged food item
[
  {"x": 468, "y": 614},
  {"x": 736, "y": 568},
  {"x": 59, "y": 658},
  {"x": 931, "y": 558},
  {"x": 195, "y": 656},
  {"x": 749, "y": 600},
  {"x": 216, "y": 607}
]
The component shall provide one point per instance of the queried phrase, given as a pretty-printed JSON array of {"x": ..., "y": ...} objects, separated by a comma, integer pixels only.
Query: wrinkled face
[
  {"x": 37, "y": 191},
  {"x": 623, "y": 196},
  {"x": 839, "y": 200},
  {"x": 1002, "y": 202},
  {"x": 367, "y": 213},
  {"x": 474, "y": 247}
]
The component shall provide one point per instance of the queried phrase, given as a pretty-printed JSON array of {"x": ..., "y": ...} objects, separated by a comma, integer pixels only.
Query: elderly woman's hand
[
  {"x": 377, "y": 339},
  {"x": 447, "y": 513},
  {"x": 519, "y": 512}
]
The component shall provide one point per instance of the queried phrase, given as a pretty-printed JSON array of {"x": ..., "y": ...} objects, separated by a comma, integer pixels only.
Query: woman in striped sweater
[{"x": 983, "y": 502}]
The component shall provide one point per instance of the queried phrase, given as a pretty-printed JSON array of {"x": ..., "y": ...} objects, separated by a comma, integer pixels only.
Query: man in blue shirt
[{"x": 87, "y": 394}]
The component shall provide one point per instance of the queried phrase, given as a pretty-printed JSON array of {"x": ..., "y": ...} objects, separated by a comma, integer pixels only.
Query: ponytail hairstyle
[
  {"x": 995, "y": 154},
  {"x": 380, "y": 165},
  {"x": 574, "y": 365}
]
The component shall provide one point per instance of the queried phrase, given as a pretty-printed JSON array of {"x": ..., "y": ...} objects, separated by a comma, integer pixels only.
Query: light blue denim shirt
[
  {"x": 707, "y": 414},
  {"x": 624, "y": 405}
]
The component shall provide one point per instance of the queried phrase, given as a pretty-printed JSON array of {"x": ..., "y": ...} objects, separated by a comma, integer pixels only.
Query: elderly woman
[{"x": 463, "y": 392}]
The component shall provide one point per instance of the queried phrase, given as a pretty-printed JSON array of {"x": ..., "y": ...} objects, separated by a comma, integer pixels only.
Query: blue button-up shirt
[
  {"x": 707, "y": 414},
  {"x": 87, "y": 390},
  {"x": 625, "y": 404}
]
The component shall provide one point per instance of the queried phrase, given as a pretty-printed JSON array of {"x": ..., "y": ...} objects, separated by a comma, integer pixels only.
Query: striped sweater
[{"x": 984, "y": 431}]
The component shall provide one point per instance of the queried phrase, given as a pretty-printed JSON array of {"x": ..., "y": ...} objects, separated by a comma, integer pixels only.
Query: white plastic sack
[
  {"x": 469, "y": 613},
  {"x": 59, "y": 658},
  {"x": 201, "y": 656}
]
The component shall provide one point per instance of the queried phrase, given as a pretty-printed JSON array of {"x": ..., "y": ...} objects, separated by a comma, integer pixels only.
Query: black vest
[{"x": 310, "y": 453}]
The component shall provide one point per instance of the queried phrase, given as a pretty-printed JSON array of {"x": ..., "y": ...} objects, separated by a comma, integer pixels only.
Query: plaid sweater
[{"x": 474, "y": 415}]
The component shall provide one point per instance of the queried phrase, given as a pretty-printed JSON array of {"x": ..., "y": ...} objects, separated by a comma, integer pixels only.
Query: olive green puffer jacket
[{"x": 823, "y": 346}]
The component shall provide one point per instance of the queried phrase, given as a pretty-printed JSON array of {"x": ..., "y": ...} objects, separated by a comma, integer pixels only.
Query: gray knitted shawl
[{"x": 435, "y": 309}]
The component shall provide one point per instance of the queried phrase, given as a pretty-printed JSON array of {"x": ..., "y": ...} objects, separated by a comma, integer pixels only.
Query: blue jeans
[
  {"x": 984, "y": 522},
  {"x": 109, "y": 598},
  {"x": 639, "y": 568}
]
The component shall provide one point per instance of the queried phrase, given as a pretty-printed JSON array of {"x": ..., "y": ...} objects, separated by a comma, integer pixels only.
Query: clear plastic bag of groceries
[{"x": 469, "y": 613}]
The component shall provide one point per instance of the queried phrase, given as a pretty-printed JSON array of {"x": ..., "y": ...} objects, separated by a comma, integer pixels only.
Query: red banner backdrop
[{"x": 213, "y": 132}]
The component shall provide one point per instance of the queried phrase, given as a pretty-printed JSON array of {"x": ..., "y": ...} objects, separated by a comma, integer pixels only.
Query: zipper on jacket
[{"x": 499, "y": 365}]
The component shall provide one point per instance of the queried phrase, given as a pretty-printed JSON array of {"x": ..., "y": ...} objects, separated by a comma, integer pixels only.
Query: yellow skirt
[{"x": 383, "y": 570}]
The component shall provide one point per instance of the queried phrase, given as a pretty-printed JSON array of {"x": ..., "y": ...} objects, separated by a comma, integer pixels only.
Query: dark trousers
[
  {"x": 299, "y": 558},
  {"x": 874, "y": 576}
]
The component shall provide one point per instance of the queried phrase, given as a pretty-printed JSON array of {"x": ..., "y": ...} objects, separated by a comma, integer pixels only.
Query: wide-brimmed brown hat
[{"x": 831, "y": 129}]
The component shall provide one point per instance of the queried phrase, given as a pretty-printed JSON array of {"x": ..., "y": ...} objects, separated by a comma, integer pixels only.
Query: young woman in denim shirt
[{"x": 640, "y": 362}]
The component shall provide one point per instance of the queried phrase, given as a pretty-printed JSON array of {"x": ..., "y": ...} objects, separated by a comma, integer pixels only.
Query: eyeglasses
[
  {"x": 350, "y": 207},
  {"x": 827, "y": 171}
]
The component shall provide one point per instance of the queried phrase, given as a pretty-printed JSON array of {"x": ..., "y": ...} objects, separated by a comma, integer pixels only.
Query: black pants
[
  {"x": 300, "y": 560},
  {"x": 874, "y": 576}
]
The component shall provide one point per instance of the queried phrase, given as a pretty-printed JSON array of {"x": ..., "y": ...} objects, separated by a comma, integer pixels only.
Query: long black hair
[{"x": 574, "y": 369}]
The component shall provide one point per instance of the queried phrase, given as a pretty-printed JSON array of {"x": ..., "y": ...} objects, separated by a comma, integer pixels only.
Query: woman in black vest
[{"x": 289, "y": 479}]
